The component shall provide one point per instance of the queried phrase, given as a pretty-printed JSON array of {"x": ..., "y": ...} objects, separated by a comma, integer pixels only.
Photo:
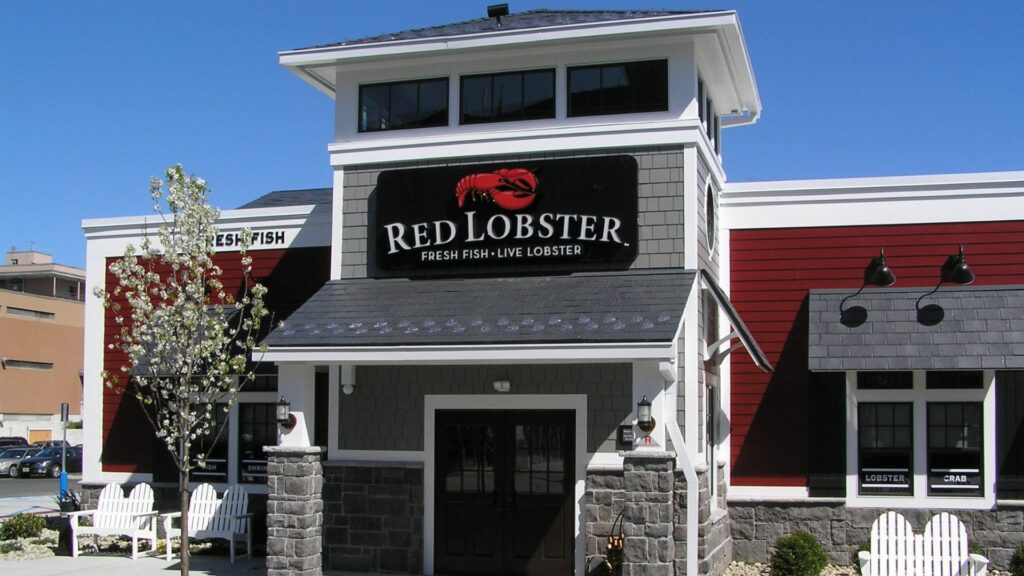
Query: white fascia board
[
  {"x": 472, "y": 354},
  {"x": 255, "y": 218},
  {"x": 990, "y": 196},
  {"x": 447, "y": 144}
]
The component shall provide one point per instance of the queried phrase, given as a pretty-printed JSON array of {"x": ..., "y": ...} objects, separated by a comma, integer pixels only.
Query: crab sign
[{"x": 509, "y": 188}]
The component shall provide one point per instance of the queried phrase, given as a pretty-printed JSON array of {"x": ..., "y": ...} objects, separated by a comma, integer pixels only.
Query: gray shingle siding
[
  {"x": 386, "y": 410},
  {"x": 957, "y": 328}
]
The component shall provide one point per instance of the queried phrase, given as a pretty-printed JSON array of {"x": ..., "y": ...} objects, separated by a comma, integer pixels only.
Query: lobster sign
[{"x": 508, "y": 188}]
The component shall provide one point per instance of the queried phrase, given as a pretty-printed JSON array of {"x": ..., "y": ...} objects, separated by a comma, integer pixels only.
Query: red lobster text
[{"x": 511, "y": 189}]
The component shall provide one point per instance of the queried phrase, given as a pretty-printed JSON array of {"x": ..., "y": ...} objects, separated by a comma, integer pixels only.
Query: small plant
[
  {"x": 798, "y": 554},
  {"x": 8, "y": 547},
  {"x": 1017, "y": 562},
  {"x": 974, "y": 548},
  {"x": 75, "y": 425},
  {"x": 22, "y": 526}
]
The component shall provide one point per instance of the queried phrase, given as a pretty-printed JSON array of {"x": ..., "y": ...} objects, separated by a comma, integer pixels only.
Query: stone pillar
[
  {"x": 647, "y": 524},
  {"x": 294, "y": 510}
]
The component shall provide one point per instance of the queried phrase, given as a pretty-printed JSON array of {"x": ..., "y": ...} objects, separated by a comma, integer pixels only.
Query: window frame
[
  {"x": 419, "y": 122},
  {"x": 921, "y": 396},
  {"x": 522, "y": 74},
  {"x": 601, "y": 67}
]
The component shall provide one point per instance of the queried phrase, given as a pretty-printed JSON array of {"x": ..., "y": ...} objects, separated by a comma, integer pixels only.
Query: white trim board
[
  {"x": 434, "y": 402},
  {"x": 473, "y": 354}
]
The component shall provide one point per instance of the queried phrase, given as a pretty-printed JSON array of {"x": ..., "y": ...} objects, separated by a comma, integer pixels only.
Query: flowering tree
[{"x": 189, "y": 341}]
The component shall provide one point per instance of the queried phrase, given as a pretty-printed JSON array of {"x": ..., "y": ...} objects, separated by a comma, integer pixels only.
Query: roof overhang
[
  {"x": 717, "y": 36},
  {"x": 739, "y": 329},
  {"x": 586, "y": 317}
]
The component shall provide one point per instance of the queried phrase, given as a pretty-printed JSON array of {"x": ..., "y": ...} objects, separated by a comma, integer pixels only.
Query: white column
[{"x": 296, "y": 382}]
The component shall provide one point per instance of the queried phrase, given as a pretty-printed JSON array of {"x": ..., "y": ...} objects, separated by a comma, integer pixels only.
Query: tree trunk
[{"x": 183, "y": 496}]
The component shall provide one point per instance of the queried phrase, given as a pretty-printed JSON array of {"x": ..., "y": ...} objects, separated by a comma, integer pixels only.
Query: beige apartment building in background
[{"x": 41, "y": 341}]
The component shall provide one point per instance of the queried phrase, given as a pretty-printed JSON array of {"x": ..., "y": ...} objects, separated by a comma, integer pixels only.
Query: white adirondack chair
[
  {"x": 211, "y": 517},
  {"x": 944, "y": 550},
  {"x": 116, "y": 515},
  {"x": 940, "y": 551}
]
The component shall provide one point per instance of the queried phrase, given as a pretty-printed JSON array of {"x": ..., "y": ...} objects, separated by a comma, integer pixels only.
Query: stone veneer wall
[
  {"x": 373, "y": 517},
  {"x": 757, "y": 525},
  {"x": 610, "y": 490},
  {"x": 294, "y": 510}
]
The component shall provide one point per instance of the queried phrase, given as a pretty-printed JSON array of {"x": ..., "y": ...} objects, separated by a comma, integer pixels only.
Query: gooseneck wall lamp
[
  {"x": 954, "y": 271},
  {"x": 644, "y": 419},
  {"x": 285, "y": 418},
  {"x": 877, "y": 273}
]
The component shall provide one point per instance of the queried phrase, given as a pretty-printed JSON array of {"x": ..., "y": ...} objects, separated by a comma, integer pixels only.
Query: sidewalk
[{"x": 105, "y": 565}]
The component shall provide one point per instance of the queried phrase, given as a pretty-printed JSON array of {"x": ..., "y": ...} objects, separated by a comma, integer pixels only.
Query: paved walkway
[{"x": 106, "y": 565}]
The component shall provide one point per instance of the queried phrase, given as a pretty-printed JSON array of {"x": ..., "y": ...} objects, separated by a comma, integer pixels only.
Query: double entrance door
[{"x": 504, "y": 490}]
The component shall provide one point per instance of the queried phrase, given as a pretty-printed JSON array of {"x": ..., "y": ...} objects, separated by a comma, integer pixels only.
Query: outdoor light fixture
[
  {"x": 644, "y": 420},
  {"x": 285, "y": 418},
  {"x": 877, "y": 273},
  {"x": 497, "y": 11},
  {"x": 955, "y": 271}
]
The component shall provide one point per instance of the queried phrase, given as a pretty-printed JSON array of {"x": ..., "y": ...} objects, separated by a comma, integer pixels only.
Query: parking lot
[{"x": 32, "y": 495}]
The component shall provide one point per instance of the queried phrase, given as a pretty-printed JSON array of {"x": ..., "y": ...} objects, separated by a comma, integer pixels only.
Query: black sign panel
[
  {"x": 948, "y": 481},
  {"x": 524, "y": 214},
  {"x": 885, "y": 481}
]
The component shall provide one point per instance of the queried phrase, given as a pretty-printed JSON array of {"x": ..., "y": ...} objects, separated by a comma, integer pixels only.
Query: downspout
[
  {"x": 692, "y": 494},
  {"x": 670, "y": 374}
]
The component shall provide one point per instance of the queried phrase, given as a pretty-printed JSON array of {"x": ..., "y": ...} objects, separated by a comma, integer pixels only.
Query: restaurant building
[{"x": 530, "y": 327}]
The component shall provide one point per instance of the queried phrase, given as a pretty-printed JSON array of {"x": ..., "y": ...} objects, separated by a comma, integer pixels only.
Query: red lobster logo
[{"x": 511, "y": 189}]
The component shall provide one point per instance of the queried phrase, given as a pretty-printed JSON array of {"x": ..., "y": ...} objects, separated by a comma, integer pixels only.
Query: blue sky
[{"x": 97, "y": 96}]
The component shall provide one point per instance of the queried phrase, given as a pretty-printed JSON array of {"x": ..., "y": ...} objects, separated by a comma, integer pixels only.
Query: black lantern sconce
[
  {"x": 285, "y": 418},
  {"x": 877, "y": 273},
  {"x": 644, "y": 420}
]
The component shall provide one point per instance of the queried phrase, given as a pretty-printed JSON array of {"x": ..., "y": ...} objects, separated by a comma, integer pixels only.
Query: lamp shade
[
  {"x": 956, "y": 270},
  {"x": 878, "y": 273}
]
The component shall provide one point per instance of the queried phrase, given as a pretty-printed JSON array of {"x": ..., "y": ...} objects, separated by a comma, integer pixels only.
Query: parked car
[
  {"x": 47, "y": 463},
  {"x": 50, "y": 444},
  {"x": 6, "y": 441},
  {"x": 10, "y": 458}
]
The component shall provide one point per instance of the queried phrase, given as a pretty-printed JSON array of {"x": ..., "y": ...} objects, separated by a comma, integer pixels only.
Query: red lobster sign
[{"x": 509, "y": 188}]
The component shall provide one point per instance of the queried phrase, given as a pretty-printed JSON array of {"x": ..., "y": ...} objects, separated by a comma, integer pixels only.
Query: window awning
[
  {"x": 956, "y": 328},
  {"x": 740, "y": 329},
  {"x": 608, "y": 316}
]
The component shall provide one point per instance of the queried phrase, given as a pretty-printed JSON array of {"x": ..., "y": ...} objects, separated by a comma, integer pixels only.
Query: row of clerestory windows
[{"x": 605, "y": 89}]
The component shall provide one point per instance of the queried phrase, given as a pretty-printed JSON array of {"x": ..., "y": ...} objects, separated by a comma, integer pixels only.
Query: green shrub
[
  {"x": 1017, "y": 562},
  {"x": 22, "y": 526},
  {"x": 798, "y": 555},
  {"x": 974, "y": 548}
]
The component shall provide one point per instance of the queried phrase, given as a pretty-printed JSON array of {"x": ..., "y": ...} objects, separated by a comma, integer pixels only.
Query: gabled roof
[{"x": 540, "y": 18}]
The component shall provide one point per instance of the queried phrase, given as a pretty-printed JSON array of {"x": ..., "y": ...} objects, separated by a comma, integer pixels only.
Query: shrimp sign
[{"x": 542, "y": 216}]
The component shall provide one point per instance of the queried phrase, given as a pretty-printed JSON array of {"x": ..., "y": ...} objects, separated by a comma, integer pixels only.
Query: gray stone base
[
  {"x": 294, "y": 511},
  {"x": 374, "y": 517},
  {"x": 841, "y": 530}
]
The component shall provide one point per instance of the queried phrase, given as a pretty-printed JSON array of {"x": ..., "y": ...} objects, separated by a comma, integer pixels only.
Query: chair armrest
[
  {"x": 172, "y": 515},
  {"x": 980, "y": 564},
  {"x": 865, "y": 562},
  {"x": 249, "y": 515},
  {"x": 74, "y": 516}
]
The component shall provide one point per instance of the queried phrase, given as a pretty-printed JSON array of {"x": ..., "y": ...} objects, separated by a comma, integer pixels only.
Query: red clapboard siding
[
  {"x": 292, "y": 276},
  {"x": 771, "y": 273}
]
